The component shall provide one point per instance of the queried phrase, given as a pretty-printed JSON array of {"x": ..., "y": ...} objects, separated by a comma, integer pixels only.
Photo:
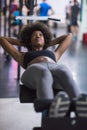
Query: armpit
[{"x": 21, "y": 59}]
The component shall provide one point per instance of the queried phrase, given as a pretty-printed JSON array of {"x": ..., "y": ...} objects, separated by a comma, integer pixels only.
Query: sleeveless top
[{"x": 29, "y": 56}]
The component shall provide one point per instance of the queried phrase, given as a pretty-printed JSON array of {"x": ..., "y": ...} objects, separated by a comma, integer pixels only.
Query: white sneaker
[
  {"x": 60, "y": 105},
  {"x": 81, "y": 105}
]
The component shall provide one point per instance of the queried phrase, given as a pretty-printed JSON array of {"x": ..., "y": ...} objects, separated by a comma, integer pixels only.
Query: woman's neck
[{"x": 37, "y": 48}]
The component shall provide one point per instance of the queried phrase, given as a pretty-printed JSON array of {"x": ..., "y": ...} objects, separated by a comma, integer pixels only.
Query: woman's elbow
[
  {"x": 69, "y": 35},
  {"x": 1, "y": 39},
  {"x": 69, "y": 38}
]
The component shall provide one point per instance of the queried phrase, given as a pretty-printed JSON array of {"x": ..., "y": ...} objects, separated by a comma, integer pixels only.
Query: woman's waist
[{"x": 41, "y": 59}]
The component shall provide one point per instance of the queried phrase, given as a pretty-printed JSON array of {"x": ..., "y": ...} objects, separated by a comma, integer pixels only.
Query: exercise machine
[{"x": 28, "y": 95}]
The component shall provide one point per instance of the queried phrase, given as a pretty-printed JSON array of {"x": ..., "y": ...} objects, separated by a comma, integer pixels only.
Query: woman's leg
[
  {"x": 63, "y": 76},
  {"x": 38, "y": 76}
]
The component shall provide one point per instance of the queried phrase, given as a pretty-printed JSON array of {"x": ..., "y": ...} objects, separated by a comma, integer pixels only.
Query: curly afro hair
[{"x": 26, "y": 32}]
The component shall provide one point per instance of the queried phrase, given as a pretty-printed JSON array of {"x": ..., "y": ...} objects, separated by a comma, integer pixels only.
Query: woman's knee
[
  {"x": 46, "y": 75},
  {"x": 63, "y": 71}
]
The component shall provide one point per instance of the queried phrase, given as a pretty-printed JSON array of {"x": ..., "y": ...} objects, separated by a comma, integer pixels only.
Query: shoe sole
[
  {"x": 81, "y": 106},
  {"x": 60, "y": 105}
]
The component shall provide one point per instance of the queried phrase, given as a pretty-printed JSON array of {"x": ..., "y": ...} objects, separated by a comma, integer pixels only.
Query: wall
[{"x": 83, "y": 24}]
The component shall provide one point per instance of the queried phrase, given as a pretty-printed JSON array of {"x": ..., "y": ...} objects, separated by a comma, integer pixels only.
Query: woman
[{"x": 42, "y": 70}]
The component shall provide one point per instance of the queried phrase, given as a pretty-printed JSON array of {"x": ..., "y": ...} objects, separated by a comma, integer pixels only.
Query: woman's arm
[
  {"x": 9, "y": 47},
  {"x": 63, "y": 46},
  {"x": 14, "y": 41},
  {"x": 57, "y": 40}
]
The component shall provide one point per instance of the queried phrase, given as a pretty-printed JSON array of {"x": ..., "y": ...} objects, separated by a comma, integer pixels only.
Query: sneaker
[
  {"x": 60, "y": 105},
  {"x": 81, "y": 105}
]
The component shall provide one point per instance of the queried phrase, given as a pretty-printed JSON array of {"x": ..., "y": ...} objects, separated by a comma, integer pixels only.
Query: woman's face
[{"x": 37, "y": 40}]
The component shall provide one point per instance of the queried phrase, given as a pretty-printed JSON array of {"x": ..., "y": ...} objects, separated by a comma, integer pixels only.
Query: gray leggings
[{"x": 44, "y": 76}]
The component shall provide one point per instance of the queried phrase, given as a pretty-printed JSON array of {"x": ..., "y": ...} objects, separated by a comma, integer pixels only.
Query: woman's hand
[{"x": 14, "y": 41}]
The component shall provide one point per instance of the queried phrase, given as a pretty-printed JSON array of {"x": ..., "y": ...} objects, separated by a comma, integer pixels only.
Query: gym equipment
[
  {"x": 32, "y": 17},
  {"x": 27, "y": 95},
  {"x": 47, "y": 123}
]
